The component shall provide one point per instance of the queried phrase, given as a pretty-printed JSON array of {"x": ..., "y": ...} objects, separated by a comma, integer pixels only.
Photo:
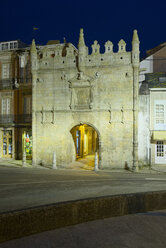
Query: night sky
[{"x": 101, "y": 20}]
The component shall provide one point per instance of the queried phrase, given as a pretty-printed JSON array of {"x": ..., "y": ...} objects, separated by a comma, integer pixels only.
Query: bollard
[
  {"x": 96, "y": 162},
  {"x": 24, "y": 159},
  {"x": 54, "y": 161}
]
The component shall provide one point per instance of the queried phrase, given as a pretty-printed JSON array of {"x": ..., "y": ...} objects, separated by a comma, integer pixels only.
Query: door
[
  {"x": 160, "y": 152},
  {"x": 7, "y": 144}
]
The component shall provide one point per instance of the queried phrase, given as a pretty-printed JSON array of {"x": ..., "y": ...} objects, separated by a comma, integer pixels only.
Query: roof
[
  {"x": 153, "y": 80},
  {"x": 154, "y": 50}
]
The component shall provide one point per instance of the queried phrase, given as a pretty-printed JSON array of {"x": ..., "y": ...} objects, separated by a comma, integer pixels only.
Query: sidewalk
[
  {"x": 83, "y": 165},
  {"x": 145, "y": 230}
]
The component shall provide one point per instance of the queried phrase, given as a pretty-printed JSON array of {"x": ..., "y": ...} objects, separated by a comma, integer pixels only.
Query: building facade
[
  {"x": 152, "y": 119},
  {"x": 15, "y": 100},
  {"x": 85, "y": 103},
  {"x": 152, "y": 90}
]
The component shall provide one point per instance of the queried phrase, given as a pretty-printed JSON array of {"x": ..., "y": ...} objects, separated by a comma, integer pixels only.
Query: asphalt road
[{"x": 22, "y": 188}]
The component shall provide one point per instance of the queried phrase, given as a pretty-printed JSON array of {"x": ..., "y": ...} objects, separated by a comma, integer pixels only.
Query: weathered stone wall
[{"x": 143, "y": 130}]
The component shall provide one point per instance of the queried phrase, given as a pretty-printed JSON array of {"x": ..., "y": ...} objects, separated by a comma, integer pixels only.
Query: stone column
[
  {"x": 135, "y": 64},
  {"x": 34, "y": 124},
  {"x": 135, "y": 119},
  {"x": 34, "y": 68}
]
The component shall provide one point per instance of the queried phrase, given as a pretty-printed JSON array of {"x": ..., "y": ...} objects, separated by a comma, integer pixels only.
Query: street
[{"x": 22, "y": 188}]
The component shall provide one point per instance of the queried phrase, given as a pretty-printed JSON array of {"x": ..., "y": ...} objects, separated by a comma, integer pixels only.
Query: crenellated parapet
[
  {"x": 56, "y": 56},
  {"x": 66, "y": 55},
  {"x": 122, "y": 46},
  {"x": 95, "y": 48},
  {"x": 108, "y": 47}
]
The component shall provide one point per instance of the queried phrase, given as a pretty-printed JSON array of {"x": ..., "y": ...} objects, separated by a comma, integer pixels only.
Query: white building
[{"x": 152, "y": 100}]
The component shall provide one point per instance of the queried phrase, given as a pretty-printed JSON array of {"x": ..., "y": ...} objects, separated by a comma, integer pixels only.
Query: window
[
  {"x": 15, "y": 44},
  {"x": 7, "y": 144},
  {"x": 11, "y": 45},
  {"x": 5, "y": 46},
  {"x": 159, "y": 114},
  {"x": 5, "y": 106},
  {"x": 21, "y": 75},
  {"x": 27, "y": 105},
  {"x": 5, "y": 71},
  {"x": 162, "y": 79},
  {"x": 160, "y": 149}
]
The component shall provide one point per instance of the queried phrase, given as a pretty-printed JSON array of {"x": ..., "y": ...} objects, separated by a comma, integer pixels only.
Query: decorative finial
[
  {"x": 33, "y": 47},
  {"x": 135, "y": 36},
  {"x": 81, "y": 38}
]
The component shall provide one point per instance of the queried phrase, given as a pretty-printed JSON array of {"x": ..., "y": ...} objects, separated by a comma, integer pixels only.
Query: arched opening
[{"x": 86, "y": 140}]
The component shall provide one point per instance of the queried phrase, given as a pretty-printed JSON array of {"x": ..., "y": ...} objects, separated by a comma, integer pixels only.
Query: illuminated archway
[{"x": 86, "y": 140}]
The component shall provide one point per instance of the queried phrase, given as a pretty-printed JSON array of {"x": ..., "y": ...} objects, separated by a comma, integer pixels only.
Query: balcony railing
[
  {"x": 25, "y": 118},
  {"x": 13, "y": 83},
  {"x": 15, "y": 119},
  {"x": 6, "y": 83}
]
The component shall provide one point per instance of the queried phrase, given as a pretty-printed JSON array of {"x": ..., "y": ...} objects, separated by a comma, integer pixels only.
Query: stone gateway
[{"x": 85, "y": 103}]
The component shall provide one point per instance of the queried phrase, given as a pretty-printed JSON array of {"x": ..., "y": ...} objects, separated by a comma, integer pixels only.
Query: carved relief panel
[{"x": 81, "y": 92}]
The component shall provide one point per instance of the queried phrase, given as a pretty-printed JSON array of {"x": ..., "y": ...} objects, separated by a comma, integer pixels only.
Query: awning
[{"x": 159, "y": 135}]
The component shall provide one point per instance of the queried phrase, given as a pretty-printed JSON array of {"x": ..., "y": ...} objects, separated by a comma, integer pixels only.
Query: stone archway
[{"x": 86, "y": 141}]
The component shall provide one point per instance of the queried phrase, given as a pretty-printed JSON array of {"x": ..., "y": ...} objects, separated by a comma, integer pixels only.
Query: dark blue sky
[{"x": 102, "y": 20}]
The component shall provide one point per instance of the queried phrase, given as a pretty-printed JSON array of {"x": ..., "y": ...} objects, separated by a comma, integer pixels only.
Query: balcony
[
  {"x": 12, "y": 83},
  {"x": 25, "y": 118},
  {"x": 15, "y": 119},
  {"x": 6, "y": 83}
]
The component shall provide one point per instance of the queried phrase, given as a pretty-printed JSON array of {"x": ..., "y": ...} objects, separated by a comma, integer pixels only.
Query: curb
[{"x": 17, "y": 224}]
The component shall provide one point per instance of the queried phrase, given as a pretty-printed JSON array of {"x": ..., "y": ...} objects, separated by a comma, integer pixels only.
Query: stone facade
[{"x": 71, "y": 87}]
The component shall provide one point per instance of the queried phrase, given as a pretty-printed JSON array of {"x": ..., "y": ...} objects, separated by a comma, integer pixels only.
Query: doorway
[
  {"x": 7, "y": 143},
  {"x": 86, "y": 142},
  {"x": 160, "y": 152}
]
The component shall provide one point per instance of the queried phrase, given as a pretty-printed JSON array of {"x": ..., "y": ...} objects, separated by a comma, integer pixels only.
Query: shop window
[
  {"x": 27, "y": 144},
  {"x": 7, "y": 143}
]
